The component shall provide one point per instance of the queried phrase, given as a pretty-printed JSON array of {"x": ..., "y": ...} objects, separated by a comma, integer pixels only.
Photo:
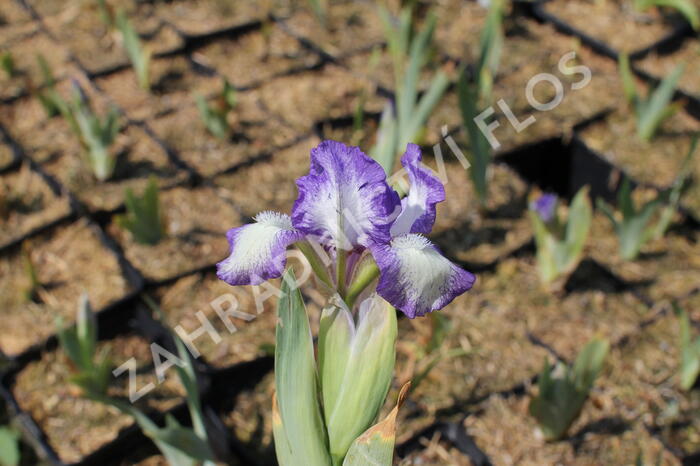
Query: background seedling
[
  {"x": 690, "y": 351},
  {"x": 475, "y": 89},
  {"x": 9, "y": 446},
  {"x": 563, "y": 390},
  {"x": 139, "y": 56},
  {"x": 96, "y": 134},
  {"x": 560, "y": 245},
  {"x": 215, "y": 115},
  {"x": 403, "y": 122},
  {"x": 7, "y": 63},
  {"x": 31, "y": 292},
  {"x": 320, "y": 9},
  {"x": 48, "y": 96},
  {"x": 143, "y": 218},
  {"x": 91, "y": 371},
  {"x": 652, "y": 110}
]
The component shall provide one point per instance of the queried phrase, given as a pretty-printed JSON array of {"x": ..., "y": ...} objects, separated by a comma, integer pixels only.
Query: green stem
[
  {"x": 365, "y": 276},
  {"x": 340, "y": 271}
]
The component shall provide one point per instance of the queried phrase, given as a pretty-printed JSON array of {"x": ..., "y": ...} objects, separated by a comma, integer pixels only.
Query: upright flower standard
[{"x": 356, "y": 231}]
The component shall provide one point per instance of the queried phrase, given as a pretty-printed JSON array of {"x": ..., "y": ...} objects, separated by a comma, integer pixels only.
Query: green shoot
[
  {"x": 143, "y": 217},
  {"x": 91, "y": 370},
  {"x": 215, "y": 115},
  {"x": 106, "y": 13},
  {"x": 320, "y": 9},
  {"x": 7, "y": 63},
  {"x": 563, "y": 390},
  {"x": 49, "y": 97},
  {"x": 652, "y": 110},
  {"x": 674, "y": 194},
  {"x": 96, "y": 135},
  {"x": 560, "y": 245},
  {"x": 684, "y": 7},
  {"x": 409, "y": 55},
  {"x": 139, "y": 56},
  {"x": 491, "y": 48},
  {"x": 33, "y": 283},
  {"x": 690, "y": 351},
  {"x": 9, "y": 447},
  {"x": 635, "y": 228},
  {"x": 199, "y": 445}
]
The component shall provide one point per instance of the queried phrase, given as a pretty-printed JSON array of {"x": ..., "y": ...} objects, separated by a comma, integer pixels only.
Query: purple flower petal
[
  {"x": 258, "y": 250},
  {"x": 416, "y": 278},
  {"x": 344, "y": 201},
  {"x": 545, "y": 206},
  {"x": 426, "y": 190}
]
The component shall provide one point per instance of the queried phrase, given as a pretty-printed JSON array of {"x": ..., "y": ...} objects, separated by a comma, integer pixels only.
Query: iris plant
[{"x": 355, "y": 230}]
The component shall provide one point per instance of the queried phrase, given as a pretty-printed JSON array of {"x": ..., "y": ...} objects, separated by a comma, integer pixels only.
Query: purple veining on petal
[
  {"x": 258, "y": 250},
  {"x": 415, "y": 277},
  {"x": 545, "y": 206},
  {"x": 345, "y": 200},
  {"x": 426, "y": 190}
]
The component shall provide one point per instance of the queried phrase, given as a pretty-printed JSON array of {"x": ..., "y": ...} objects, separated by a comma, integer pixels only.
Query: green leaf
[
  {"x": 628, "y": 86},
  {"x": 9, "y": 447},
  {"x": 214, "y": 121},
  {"x": 564, "y": 390},
  {"x": 480, "y": 149},
  {"x": 182, "y": 440},
  {"x": 296, "y": 381},
  {"x": 690, "y": 351},
  {"x": 140, "y": 58},
  {"x": 674, "y": 195},
  {"x": 358, "y": 364},
  {"x": 656, "y": 108},
  {"x": 376, "y": 445},
  {"x": 685, "y": 7},
  {"x": 143, "y": 216},
  {"x": 7, "y": 63}
]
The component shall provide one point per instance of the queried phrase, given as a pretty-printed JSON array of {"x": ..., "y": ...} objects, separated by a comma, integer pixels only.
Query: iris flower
[
  {"x": 346, "y": 205},
  {"x": 545, "y": 206}
]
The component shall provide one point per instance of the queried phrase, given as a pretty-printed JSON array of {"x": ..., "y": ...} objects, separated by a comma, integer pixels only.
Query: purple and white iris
[{"x": 346, "y": 205}]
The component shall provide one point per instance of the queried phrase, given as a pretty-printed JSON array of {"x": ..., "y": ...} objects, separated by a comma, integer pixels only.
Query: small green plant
[
  {"x": 9, "y": 446},
  {"x": 7, "y": 63},
  {"x": 139, "y": 56},
  {"x": 690, "y": 351},
  {"x": 215, "y": 115},
  {"x": 564, "y": 389},
  {"x": 31, "y": 292},
  {"x": 652, "y": 110},
  {"x": 48, "y": 96},
  {"x": 560, "y": 245},
  {"x": 96, "y": 134},
  {"x": 143, "y": 217},
  {"x": 409, "y": 54},
  {"x": 477, "y": 89},
  {"x": 91, "y": 371},
  {"x": 684, "y": 7},
  {"x": 674, "y": 193},
  {"x": 180, "y": 445}
]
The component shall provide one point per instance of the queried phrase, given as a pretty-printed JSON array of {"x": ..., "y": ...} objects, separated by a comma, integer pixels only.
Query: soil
[
  {"x": 27, "y": 205},
  {"x": 68, "y": 260},
  {"x": 174, "y": 81},
  {"x": 657, "y": 162},
  {"x": 359, "y": 22},
  {"x": 75, "y": 426},
  {"x": 195, "y": 223},
  {"x": 270, "y": 183},
  {"x": 661, "y": 64},
  {"x": 7, "y": 157},
  {"x": 253, "y": 133},
  {"x": 299, "y": 82},
  {"x": 252, "y": 58},
  {"x": 617, "y": 23}
]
